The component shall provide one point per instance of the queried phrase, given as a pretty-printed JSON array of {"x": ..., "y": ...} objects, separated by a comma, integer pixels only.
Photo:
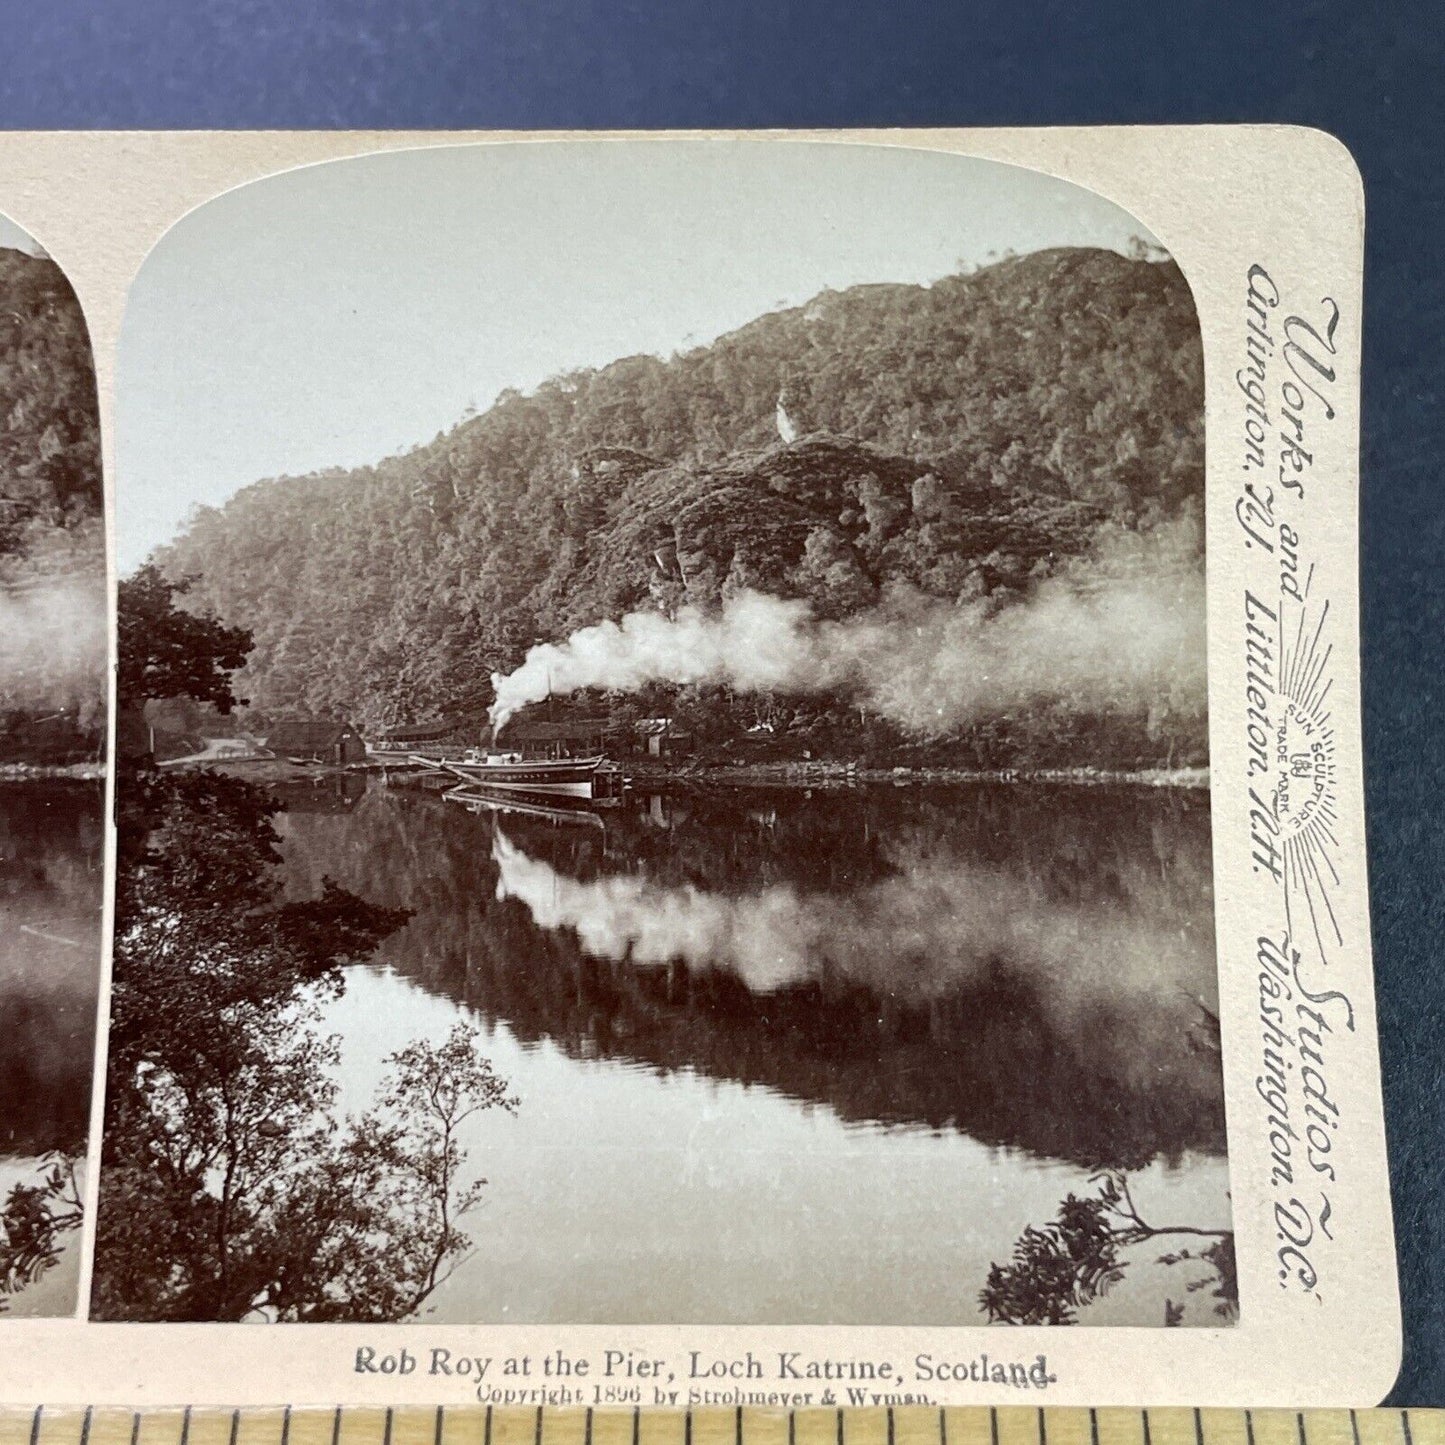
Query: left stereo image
[{"x": 53, "y": 741}]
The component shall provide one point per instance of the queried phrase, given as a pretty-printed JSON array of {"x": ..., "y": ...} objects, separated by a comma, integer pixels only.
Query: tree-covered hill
[
  {"x": 964, "y": 440},
  {"x": 49, "y": 427},
  {"x": 52, "y": 542}
]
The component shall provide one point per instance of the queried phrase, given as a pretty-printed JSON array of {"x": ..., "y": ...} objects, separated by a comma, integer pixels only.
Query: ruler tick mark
[
  {"x": 85, "y": 1425},
  {"x": 335, "y": 1428}
]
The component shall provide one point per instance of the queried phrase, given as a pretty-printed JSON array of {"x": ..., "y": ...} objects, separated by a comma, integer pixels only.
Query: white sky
[
  {"x": 12, "y": 238},
  {"x": 340, "y": 313}
]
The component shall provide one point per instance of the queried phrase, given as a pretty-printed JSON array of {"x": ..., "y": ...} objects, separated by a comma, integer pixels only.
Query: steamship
[{"x": 580, "y": 780}]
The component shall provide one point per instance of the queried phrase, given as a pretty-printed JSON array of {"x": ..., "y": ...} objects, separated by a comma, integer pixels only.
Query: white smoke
[
  {"x": 53, "y": 647},
  {"x": 1088, "y": 637}
]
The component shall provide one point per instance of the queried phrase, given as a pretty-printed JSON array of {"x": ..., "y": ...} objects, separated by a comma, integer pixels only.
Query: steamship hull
[
  {"x": 556, "y": 810},
  {"x": 576, "y": 780}
]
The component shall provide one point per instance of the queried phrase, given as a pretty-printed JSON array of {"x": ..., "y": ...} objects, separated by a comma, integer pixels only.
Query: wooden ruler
[{"x": 964, "y": 1425}]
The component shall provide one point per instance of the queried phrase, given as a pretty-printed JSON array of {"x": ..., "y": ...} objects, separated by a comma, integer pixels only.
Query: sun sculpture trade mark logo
[{"x": 1305, "y": 792}]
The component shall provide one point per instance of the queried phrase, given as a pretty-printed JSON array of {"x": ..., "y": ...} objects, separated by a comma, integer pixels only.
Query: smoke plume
[
  {"x": 1115, "y": 631},
  {"x": 53, "y": 647}
]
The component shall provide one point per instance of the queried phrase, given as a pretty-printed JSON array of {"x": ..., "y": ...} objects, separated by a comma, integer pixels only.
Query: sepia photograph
[
  {"x": 662, "y": 751},
  {"x": 53, "y": 655}
]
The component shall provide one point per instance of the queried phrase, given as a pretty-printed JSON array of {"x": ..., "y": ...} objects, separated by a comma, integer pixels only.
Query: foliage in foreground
[
  {"x": 165, "y": 651},
  {"x": 38, "y": 1217},
  {"x": 229, "y": 1189},
  {"x": 1060, "y": 1267}
]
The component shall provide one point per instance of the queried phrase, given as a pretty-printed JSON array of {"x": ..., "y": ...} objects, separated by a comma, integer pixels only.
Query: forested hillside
[
  {"x": 52, "y": 543},
  {"x": 962, "y": 442},
  {"x": 50, "y": 440}
]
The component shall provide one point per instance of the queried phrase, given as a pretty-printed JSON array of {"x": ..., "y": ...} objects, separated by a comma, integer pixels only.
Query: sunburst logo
[{"x": 1306, "y": 789}]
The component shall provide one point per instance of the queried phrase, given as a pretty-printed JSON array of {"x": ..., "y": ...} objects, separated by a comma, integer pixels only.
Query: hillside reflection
[
  {"x": 51, "y": 877},
  {"x": 1033, "y": 967}
]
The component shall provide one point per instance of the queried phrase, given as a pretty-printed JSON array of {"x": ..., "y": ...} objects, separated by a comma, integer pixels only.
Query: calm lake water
[
  {"x": 786, "y": 1058},
  {"x": 51, "y": 882}
]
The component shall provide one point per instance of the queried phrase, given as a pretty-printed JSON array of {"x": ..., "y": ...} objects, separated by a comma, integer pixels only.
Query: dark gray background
[{"x": 1370, "y": 73}]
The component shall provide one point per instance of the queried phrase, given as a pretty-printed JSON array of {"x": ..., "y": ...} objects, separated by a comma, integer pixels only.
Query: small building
[
  {"x": 317, "y": 741},
  {"x": 438, "y": 737},
  {"x": 662, "y": 738},
  {"x": 666, "y": 744},
  {"x": 399, "y": 739},
  {"x": 573, "y": 738}
]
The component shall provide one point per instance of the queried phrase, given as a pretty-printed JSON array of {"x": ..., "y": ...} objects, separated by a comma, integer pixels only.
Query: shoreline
[
  {"x": 795, "y": 774},
  {"x": 843, "y": 775},
  {"x": 52, "y": 773}
]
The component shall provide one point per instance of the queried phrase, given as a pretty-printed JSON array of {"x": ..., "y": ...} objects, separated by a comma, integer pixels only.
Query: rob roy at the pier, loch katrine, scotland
[{"x": 687, "y": 668}]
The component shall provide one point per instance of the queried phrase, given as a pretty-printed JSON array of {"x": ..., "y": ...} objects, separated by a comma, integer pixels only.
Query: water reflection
[
  {"x": 624, "y": 1193},
  {"x": 1032, "y": 967},
  {"x": 51, "y": 877}
]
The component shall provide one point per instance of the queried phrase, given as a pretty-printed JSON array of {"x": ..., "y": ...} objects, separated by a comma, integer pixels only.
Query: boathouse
[
  {"x": 436, "y": 738},
  {"x": 581, "y": 737},
  {"x": 402, "y": 739},
  {"x": 316, "y": 741}
]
